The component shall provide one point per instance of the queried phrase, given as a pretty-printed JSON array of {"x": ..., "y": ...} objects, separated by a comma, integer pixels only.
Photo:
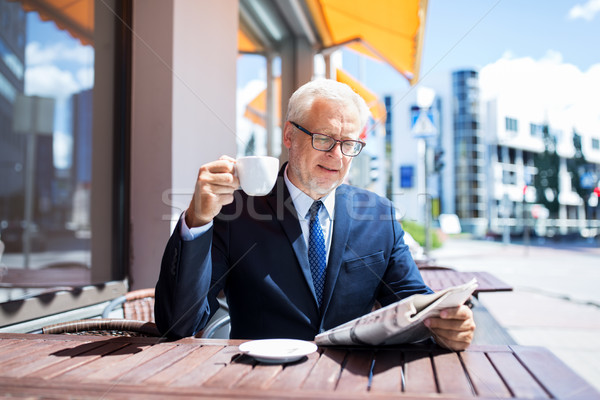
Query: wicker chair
[
  {"x": 104, "y": 327},
  {"x": 137, "y": 305}
]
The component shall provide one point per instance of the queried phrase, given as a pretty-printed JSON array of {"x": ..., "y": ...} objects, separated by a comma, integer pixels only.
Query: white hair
[{"x": 301, "y": 101}]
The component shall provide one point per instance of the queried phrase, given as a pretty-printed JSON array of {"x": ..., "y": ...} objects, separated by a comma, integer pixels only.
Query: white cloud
[
  {"x": 50, "y": 81},
  {"x": 85, "y": 77},
  {"x": 58, "y": 70},
  {"x": 585, "y": 11},
  {"x": 36, "y": 54},
  {"x": 62, "y": 145},
  {"x": 547, "y": 84}
]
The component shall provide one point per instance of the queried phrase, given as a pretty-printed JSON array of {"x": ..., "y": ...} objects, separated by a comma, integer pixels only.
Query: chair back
[
  {"x": 139, "y": 305},
  {"x": 136, "y": 305}
]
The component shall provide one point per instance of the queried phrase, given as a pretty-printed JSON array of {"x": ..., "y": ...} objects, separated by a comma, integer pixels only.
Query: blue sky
[
  {"x": 475, "y": 33},
  {"x": 546, "y": 53}
]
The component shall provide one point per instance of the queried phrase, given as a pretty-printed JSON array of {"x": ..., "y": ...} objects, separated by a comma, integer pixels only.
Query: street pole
[
  {"x": 427, "y": 200},
  {"x": 525, "y": 222},
  {"x": 29, "y": 187}
]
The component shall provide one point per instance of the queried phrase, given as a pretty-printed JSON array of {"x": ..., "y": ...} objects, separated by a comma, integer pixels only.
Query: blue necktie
[{"x": 316, "y": 250}]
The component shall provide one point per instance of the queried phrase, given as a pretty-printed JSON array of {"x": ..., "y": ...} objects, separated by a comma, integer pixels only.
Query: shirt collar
[{"x": 302, "y": 201}]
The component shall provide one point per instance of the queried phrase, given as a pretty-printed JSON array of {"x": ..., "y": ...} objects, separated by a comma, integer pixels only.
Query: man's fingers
[
  {"x": 451, "y": 324},
  {"x": 449, "y": 334},
  {"x": 227, "y": 158},
  {"x": 455, "y": 345},
  {"x": 225, "y": 180},
  {"x": 215, "y": 186},
  {"x": 454, "y": 328},
  {"x": 224, "y": 164}
]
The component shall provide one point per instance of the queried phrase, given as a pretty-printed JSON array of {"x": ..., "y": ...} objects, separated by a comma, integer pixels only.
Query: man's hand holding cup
[{"x": 218, "y": 180}]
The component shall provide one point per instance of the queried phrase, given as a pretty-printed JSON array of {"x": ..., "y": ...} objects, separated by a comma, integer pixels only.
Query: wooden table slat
[
  {"x": 355, "y": 375},
  {"x": 197, "y": 356},
  {"x": 69, "y": 357},
  {"x": 438, "y": 279},
  {"x": 259, "y": 377},
  {"x": 450, "y": 375},
  {"x": 561, "y": 381},
  {"x": 419, "y": 376},
  {"x": 157, "y": 364},
  {"x": 517, "y": 378},
  {"x": 232, "y": 373},
  {"x": 16, "y": 350},
  {"x": 387, "y": 371},
  {"x": 112, "y": 352},
  {"x": 116, "y": 371},
  {"x": 53, "y": 353},
  {"x": 325, "y": 375},
  {"x": 483, "y": 376},
  {"x": 293, "y": 375},
  {"x": 7, "y": 343},
  {"x": 208, "y": 368}
]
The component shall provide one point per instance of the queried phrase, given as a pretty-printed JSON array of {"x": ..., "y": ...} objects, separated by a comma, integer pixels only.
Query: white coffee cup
[{"x": 257, "y": 174}]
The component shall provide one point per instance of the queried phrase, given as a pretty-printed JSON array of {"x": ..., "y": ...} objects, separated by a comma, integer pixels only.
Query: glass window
[
  {"x": 511, "y": 124},
  {"x": 252, "y": 113},
  {"x": 57, "y": 96}
]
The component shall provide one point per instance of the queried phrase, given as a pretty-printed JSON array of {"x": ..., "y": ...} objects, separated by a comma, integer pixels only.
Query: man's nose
[{"x": 336, "y": 151}]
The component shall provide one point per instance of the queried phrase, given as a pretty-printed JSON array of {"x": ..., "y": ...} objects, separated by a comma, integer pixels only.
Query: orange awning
[
  {"x": 256, "y": 110},
  {"x": 74, "y": 16},
  {"x": 77, "y": 18},
  {"x": 247, "y": 45},
  {"x": 377, "y": 107},
  {"x": 389, "y": 30}
]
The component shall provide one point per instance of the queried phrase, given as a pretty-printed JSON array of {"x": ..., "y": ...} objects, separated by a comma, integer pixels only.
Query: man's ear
[{"x": 287, "y": 134}]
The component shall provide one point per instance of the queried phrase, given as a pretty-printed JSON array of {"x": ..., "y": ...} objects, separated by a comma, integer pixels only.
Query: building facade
[
  {"x": 515, "y": 137},
  {"x": 488, "y": 164},
  {"x": 12, "y": 76}
]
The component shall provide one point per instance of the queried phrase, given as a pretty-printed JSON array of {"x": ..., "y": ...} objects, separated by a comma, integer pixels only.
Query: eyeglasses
[{"x": 322, "y": 142}]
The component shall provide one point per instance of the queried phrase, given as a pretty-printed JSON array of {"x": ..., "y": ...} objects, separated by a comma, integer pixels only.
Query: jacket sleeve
[
  {"x": 402, "y": 278},
  {"x": 182, "y": 301}
]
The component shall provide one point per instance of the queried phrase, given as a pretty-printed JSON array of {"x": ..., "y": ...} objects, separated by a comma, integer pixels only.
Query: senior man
[{"x": 310, "y": 255}]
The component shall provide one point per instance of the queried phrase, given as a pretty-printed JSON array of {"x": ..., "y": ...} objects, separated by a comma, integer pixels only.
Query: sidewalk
[{"x": 556, "y": 297}]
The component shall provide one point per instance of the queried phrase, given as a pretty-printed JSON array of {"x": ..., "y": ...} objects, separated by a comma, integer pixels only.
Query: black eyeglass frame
[{"x": 333, "y": 143}]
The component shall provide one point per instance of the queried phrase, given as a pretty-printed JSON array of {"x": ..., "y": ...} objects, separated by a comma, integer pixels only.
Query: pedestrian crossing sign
[{"x": 423, "y": 124}]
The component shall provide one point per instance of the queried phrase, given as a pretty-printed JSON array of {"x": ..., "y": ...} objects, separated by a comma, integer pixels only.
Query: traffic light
[{"x": 438, "y": 163}]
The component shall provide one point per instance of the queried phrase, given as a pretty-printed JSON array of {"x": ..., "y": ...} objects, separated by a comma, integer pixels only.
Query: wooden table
[
  {"x": 441, "y": 278},
  {"x": 60, "y": 366}
]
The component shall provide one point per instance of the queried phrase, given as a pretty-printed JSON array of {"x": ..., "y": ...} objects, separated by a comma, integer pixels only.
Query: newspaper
[{"x": 400, "y": 322}]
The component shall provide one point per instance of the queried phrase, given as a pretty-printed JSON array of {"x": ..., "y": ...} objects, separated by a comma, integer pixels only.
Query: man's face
[{"x": 315, "y": 172}]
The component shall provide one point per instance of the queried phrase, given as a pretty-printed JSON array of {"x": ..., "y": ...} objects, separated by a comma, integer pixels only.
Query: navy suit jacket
[{"x": 256, "y": 253}]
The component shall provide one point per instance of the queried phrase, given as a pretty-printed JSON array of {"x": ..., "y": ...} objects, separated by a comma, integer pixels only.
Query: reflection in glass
[{"x": 46, "y": 90}]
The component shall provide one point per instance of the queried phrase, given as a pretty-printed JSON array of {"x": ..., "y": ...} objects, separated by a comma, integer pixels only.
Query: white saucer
[{"x": 278, "y": 350}]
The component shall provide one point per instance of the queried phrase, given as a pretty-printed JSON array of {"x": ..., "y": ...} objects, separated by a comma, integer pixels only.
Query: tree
[
  {"x": 583, "y": 180},
  {"x": 578, "y": 167},
  {"x": 546, "y": 179}
]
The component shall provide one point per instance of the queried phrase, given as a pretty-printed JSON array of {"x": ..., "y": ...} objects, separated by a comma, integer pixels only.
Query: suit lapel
[
  {"x": 284, "y": 211},
  {"x": 341, "y": 229}
]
